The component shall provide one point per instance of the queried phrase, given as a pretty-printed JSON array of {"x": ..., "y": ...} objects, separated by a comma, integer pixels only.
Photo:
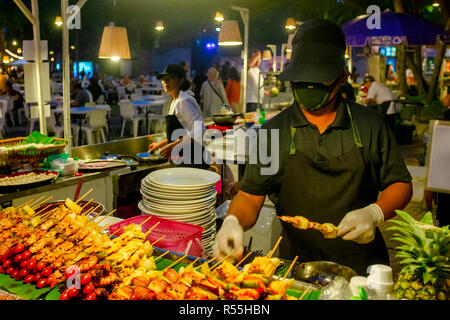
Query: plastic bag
[{"x": 337, "y": 290}]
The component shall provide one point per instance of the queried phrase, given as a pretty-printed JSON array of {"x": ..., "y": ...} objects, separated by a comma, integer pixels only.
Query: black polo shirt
[{"x": 337, "y": 139}]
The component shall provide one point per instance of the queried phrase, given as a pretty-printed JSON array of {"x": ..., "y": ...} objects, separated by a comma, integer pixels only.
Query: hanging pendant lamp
[
  {"x": 229, "y": 33},
  {"x": 114, "y": 43}
]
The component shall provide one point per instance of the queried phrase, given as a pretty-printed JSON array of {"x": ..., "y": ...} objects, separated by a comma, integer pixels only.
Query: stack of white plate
[{"x": 183, "y": 194}]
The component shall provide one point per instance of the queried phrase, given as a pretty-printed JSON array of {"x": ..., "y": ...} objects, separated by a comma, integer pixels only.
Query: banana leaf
[
  {"x": 53, "y": 294},
  {"x": 27, "y": 291}
]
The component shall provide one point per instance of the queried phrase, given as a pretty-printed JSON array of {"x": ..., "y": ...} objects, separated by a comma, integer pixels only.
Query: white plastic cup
[
  {"x": 356, "y": 282},
  {"x": 380, "y": 280}
]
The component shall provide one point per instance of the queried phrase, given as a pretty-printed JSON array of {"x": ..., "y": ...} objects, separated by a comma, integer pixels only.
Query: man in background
[
  {"x": 381, "y": 95},
  {"x": 253, "y": 77},
  {"x": 81, "y": 96},
  {"x": 212, "y": 94}
]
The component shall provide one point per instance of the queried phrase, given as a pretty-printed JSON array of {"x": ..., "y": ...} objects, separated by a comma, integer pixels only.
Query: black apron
[
  {"x": 325, "y": 191},
  {"x": 172, "y": 124}
]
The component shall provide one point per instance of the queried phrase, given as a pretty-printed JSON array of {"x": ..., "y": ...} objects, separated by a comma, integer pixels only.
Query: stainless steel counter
[
  {"x": 59, "y": 183},
  {"x": 108, "y": 184}
]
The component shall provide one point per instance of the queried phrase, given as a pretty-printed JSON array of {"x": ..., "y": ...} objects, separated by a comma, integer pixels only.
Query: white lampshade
[
  {"x": 219, "y": 16},
  {"x": 267, "y": 55},
  {"x": 229, "y": 33},
  {"x": 114, "y": 43},
  {"x": 58, "y": 21},
  {"x": 290, "y": 24},
  {"x": 159, "y": 26}
]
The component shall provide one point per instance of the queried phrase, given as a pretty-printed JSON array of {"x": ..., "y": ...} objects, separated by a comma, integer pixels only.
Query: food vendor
[
  {"x": 335, "y": 156},
  {"x": 184, "y": 114}
]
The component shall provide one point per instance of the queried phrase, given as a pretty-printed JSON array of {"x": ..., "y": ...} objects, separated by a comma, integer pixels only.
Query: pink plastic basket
[{"x": 178, "y": 235}]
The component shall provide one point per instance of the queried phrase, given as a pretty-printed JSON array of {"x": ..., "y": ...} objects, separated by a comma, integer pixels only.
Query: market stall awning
[{"x": 395, "y": 29}]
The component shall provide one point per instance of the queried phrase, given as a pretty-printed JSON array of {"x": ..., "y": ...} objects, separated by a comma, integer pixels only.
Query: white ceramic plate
[
  {"x": 189, "y": 178},
  {"x": 175, "y": 190},
  {"x": 179, "y": 201},
  {"x": 172, "y": 215},
  {"x": 178, "y": 206}
]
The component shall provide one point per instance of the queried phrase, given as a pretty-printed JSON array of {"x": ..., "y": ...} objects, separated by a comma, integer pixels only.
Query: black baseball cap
[
  {"x": 172, "y": 70},
  {"x": 318, "y": 53}
]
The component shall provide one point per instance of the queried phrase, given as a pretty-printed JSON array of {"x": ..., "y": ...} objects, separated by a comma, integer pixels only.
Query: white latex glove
[
  {"x": 229, "y": 239},
  {"x": 359, "y": 225}
]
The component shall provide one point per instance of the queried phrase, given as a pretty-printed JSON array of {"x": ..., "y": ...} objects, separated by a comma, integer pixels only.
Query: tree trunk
[
  {"x": 442, "y": 47},
  {"x": 401, "y": 54},
  {"x": 413, "y": 61},
  {"x": 401, "y": 69},
  {"x": 398, "y": 6}
]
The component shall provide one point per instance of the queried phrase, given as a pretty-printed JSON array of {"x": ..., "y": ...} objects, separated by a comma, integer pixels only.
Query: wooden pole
[
  {"x": 66, "y": 78},
  {"x": 37, "y": 61}
]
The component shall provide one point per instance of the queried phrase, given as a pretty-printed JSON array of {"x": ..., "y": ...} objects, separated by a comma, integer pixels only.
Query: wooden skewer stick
[
  {"x": 92, "y": 210},
  {"x": 34, "y": 202},
  {"x": 275, "y": 247},
  {"x": 37, "y": 205},
  {"x": 243, "y": 259},
  {"x": 191, "y": 264},
  {"x": 86, "y": 204},
  {"x": 24, "y": 204},
  {"x": 37, "y": 213},
  {"x": 290, "y": 268},
  {"x": 208, "y": 262},
  {"x": 162, "y": 255},
  {"x": 158, "y": 240},
  {"x": 306, "y": 291},
  {"x": 150, "y": 230},
  {"x": 114, "y": 233},
  {"x": 84, "y": 195},
  {"x": 175, "y": 262},
  {"x": 47, "y": 216},
  {"x": 104, "y": 217},
  {"x": 220, "y": 261},
  {"x": 143, "y": 222}
]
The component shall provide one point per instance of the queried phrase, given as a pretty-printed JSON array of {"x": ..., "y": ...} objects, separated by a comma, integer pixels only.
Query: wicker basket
[{"x": 31, "y": 155}]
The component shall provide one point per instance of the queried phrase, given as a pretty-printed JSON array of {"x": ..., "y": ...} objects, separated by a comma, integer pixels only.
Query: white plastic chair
[
  {"x": 136, "y": 96},
  {"x": 157, "y": 114},
  {"x": 90, "y": 104},
  {"x": 32, "y": 113},
  {"x": 9, "y": 110},
  {"x": 128, "y": 113},
  {"x": 101, "y": 99},
  {"x": 95, "y": 123},
  {"x": 31, "y": 120},
  {"x": 121, "y": 92}
]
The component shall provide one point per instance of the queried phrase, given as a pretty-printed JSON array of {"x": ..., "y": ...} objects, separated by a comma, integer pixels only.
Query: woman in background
[
  {"x": 233, "y": 89},
  {"x": 184, "y": 114}
]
